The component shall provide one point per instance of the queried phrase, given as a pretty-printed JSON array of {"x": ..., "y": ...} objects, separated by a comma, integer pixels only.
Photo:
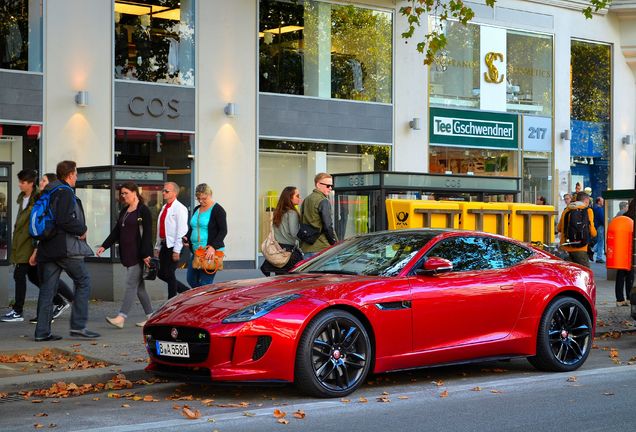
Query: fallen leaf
[
  {"x": 36, "y": 401},
  {"x": 383, "y": 399},
  {"x": 495, "y": 391},
  {"x": 249, "y": 414},
  {"x": 95, "y": 398},
  {"x": 476, "y": 388},
  {"x": 125, "y": 406},
  {"x": 444, "y": 394},
  {"x": 403, "y": 397},
  {"x": 613, "y": 353},
  {"x": 190, "y": 414},
  {"x": 283, "y": 421},
  {"x": 300, "y": 414},
  {"x": 363, "y": 399},
  {"x": 279, "y": 414},
  {"x": 148, "y": 398},
  {"x": 608, "y": 394},
  {"x": 38, "y": 425},
  {"x": 40, "y": 415},
  {"x": 345, "y": 400},
  {"x": 52, "y": 425},
  {"x": 571, "y": 379},
  {"x": 438, "y": 383},
  {"x": 207, "y": 402}
]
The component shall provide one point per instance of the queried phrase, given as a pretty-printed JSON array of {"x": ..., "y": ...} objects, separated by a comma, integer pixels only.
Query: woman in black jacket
[
  {"x": 133, "y": 232},
  {"x": 208, "y": 228}
]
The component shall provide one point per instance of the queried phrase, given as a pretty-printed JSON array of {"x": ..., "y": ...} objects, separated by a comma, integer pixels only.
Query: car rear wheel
[
  {"x": 565, "y": 336},
  {"x": 334, "y": 355}
]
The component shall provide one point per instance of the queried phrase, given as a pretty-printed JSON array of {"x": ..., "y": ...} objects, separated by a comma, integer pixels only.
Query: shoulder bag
[
  {"x": 200, "y": 262},
  {"x": 273, "y": 252}
]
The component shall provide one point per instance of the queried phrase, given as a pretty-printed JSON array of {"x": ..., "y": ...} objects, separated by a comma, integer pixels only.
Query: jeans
[
  {"x": 197, "y": 277},
  {"x": 580, "y": 257},
  {"x": 21, "y": 273},
  {"x": 135, "y": 287},
  {"x": 50, "y": 273},
  {"x": 624, "y": 278},
  {"x": 167, "y": 267},
  {"x": 599, "y": 247}
]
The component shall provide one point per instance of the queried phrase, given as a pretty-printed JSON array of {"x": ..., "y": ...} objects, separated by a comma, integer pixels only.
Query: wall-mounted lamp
[
  {"x": 81, "y": 98},
  {"x": 230, "y": 110},
  {"x": 415, "y": 123},
  {"x": 566, "y": 135},
  {"x": 628, "y": 140}
]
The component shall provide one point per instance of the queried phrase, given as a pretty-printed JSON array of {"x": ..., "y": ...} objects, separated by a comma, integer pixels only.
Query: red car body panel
[{"x": 412, "y": 320}]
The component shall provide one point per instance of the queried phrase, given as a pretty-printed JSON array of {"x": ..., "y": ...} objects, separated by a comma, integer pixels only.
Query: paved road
[{"x": 496, "y": 396}]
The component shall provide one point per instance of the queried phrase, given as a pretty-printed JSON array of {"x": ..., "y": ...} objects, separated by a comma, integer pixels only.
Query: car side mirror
[{"x": 434, "y": 265}]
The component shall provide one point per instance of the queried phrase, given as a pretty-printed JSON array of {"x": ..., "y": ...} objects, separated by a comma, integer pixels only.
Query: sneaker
[
  {"x": 12, "y": 316},
  {"x": 622, "y": 303},
  {"x": 140, "y": 324},
  {"x": 600, "y": 261},
  {"x": 59, "y": 309}
]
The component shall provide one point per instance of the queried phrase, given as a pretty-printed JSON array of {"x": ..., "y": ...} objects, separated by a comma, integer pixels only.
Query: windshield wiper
[{"x": 343, "y": 272}]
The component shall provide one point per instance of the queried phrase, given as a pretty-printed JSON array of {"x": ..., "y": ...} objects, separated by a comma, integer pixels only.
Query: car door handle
[{"x": 506, "y": 287}]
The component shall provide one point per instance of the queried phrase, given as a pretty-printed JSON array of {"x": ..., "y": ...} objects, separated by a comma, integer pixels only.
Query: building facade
[{"x": 250, "y": 96}]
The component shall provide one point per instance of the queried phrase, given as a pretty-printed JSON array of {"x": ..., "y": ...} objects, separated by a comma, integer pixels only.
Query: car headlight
[{"x": 259, "y": 309}]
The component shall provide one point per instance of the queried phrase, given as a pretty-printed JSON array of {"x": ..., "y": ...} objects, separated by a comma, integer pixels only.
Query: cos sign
[{"x": 156, "y": 107}]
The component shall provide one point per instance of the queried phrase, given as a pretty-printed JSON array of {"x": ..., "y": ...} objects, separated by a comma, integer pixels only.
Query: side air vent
[
  {"x": 404, "y": 304},
  {"x": 262, "y": 345}
]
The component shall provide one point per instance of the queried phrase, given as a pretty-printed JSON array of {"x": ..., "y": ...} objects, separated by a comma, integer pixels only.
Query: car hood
[{"x": 214, "y": 302}]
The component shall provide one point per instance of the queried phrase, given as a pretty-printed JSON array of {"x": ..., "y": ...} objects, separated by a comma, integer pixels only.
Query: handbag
[
  {"x": 210, "y": 266},
  {"x": 272, "y": 250},
  {"x": 150, "y": 271},
  {"x": 308, "y": 233}
]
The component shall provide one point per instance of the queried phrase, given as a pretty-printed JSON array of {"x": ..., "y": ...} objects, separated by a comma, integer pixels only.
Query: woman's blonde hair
[{"x": 203, "y": 188}]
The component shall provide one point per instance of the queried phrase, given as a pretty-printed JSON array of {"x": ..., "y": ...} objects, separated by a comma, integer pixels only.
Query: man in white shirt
[{"x": 171, "y": 227}]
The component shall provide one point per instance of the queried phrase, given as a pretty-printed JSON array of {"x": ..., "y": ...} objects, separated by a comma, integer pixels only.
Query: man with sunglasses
[
  {"x": 316, "y": 211},
  {"x": 171, "y": 227}
]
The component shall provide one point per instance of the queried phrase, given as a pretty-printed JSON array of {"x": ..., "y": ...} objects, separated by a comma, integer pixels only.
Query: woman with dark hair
[
  {"x": 625, "y": 278},
  {"x": 541, "y": 200},
  {"x": 133, "y": 232},
  {"x": 285, "y": 225}
]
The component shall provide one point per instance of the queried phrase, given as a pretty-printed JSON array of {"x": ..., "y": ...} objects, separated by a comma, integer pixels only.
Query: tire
[
  {"x": 334, "y": 355},
  {"x": 564, "y": 339}
]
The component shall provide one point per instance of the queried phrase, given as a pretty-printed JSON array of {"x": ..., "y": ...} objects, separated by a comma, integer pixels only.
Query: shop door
[
  {"x": 5, "y": 211},
  {"x": 353, "y": 213}
]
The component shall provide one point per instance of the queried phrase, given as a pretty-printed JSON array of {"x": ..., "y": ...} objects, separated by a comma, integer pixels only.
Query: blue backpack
[{"x": 41, "y": 221}]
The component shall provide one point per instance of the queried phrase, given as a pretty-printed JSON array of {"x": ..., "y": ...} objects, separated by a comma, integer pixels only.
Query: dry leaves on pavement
[
  {"x": 300, "y": 414},
  {"x": 54, "y": 360},
  {"x": 190, "y": 413}
]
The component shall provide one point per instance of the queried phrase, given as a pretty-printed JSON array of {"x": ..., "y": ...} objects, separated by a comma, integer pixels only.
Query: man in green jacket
[
  {"x": 316, "y": 211},
  {"x": 23, "y": 253}
]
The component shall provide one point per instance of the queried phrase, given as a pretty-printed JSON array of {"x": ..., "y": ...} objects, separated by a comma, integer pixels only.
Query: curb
[{"x": 89, "y": 376}]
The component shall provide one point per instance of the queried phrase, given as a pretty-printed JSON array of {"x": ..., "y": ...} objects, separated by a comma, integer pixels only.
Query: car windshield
[{"x": 383, "y": 254}]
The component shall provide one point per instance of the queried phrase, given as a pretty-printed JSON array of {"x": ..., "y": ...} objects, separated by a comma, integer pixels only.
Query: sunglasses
[{"x": 330, "y": 186}]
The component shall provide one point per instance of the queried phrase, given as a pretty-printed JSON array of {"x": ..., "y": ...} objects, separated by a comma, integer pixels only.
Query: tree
[{"x": 443, "y": 10}]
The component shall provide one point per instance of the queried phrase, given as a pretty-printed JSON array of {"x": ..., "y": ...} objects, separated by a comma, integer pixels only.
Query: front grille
[
  {"x": 198, "y": 342},
  {"x": 262, "y": 345}
]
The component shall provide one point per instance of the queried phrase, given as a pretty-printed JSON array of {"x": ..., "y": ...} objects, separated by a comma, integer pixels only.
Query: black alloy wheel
[
  {"x": 334, "y": 355},
  {"x": 565, "y": 336}
]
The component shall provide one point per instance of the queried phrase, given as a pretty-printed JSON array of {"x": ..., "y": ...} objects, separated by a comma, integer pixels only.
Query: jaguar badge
[{"x": 174, "y": 333}]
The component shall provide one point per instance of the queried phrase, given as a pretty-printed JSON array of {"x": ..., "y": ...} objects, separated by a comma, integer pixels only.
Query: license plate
[{"x": 173, "y": 349}]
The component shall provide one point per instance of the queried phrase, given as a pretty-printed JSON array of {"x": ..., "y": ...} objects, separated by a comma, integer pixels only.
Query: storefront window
[
  {"x": 454, "y": 76},
  {"x": 154, "y": 41},
  {"x": 21, "y": 35},
  {"x": 20, "y": 144},
  {"x": 453, "y": 160},
  {"x": 162, "y": 149},
  {"x": 286, "y": 163},
  {"x": 529, "y": 80},
  {"x": 331, "y": 51},
  {"x": 537, "y": 175},
  {"x": 590, "y": 114}
]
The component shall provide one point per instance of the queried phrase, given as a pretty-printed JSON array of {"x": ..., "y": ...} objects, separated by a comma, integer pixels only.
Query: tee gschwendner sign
[{"x": 474, "y": 128}]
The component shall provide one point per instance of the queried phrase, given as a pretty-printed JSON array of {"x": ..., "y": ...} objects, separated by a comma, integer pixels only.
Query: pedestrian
[
  {"x": 172, "y": 225},
  {"x": 65, "y": 250},
  {"x": 576, "y": 229},
  {"x": 285, "y": 225},
  {"x": 599, "y": 224},
  {"x": 577, "y": 188},
  {"x": 622, "y": 208},
  {"x": 567, "y": 199},
  {"x": 208, "y": 228},
  {"x": 625, "y": 278},
  {"x": 316, "y": 212},
  {"x": 540, "y": 200},
  {"x": 23, "y": 253},
  {"x": 133, "y": 232}
]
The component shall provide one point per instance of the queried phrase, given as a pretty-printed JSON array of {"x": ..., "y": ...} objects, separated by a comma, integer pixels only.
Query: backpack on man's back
[
  {"x": 577, "y": 227},
  {"x": 42, "y": 221}
]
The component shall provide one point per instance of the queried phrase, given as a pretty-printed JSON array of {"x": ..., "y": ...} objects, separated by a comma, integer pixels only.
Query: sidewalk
[{"x": 124, "y": 349}]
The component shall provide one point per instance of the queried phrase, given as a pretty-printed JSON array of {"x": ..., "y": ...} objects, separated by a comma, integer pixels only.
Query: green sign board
[{"x": 463, "y": 128}]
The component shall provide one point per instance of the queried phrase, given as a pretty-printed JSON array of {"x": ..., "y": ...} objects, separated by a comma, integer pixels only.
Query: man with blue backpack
[{"x": 58, "y": 222}]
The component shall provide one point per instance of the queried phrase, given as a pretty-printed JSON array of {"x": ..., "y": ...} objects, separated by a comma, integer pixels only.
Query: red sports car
[{"x": 380, "y": 302}]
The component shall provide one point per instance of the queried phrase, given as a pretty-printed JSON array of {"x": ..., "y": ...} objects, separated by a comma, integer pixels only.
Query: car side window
[
  {"x": 513, "y": 254},
  {"x": 469, "y": 253}
]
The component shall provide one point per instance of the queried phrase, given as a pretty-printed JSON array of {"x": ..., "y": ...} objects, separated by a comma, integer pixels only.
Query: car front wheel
[
  {"x": 334, "y": 355},
  {"x": 565, "y": 336}
]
